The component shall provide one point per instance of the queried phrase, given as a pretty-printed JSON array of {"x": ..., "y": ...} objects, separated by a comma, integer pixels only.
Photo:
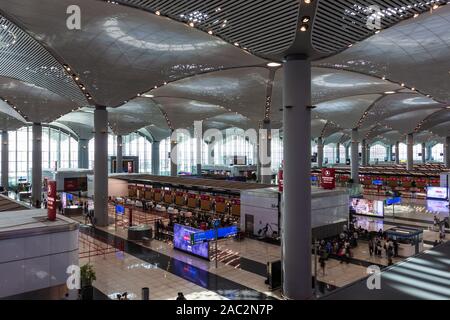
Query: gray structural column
[
  {"x": 296, "y": 216},
  {"x": 447, "y": 152},
  {"x": 266, "y": 153},
  {"x": 389, "y": 152},
  {"x": 210, "y": 153},
  {"x": 363, "y": 153},
  {"x": 155, "y": 157},
  {"x": 199, "y": 155},
  {"x": 347, "y": 152},
  {"x": 5, "y": 159},
  {"x": 83, "y": 153},
  {"x": 397, "y": 152},
  {"x": 337, "y": 157},
  {"x": 101, "y": 166},
  {"x": 36, "y": 171},
  {"x": 320, "y": 152},
  {"x": 424, "y": 149},
  {"x": 429, "y": 156},
  {"x": 409, "y": 152},
  {"x": 119, "y": 156},
  {"x": 354, "y": 160},
  {"x": 173, "y": 157},
  {"x": 367, "y": 154}
]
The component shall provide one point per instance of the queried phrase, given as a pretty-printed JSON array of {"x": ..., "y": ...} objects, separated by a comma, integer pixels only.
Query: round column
[
  {"x": 83, "y": 153},
  {"x": 119, "y": 156},
  {"x": 5, "y": 160},
  {"x": 296, "y": 215},
  {"x": 36, "y": 170},
  {"x": 397, "y": 152},
  {"x": 101, "y": 166},
  {"x": 409, "y": 152},
  {"x": 266, "y": 153},
  {"x": 354, "y": 157},
  {"x": 320, "y": 152}
]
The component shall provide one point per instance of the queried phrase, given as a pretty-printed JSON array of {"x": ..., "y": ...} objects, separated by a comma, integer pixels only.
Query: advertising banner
[
  {"x": 328, "y": 178},
  {"x": 51, "y": 201}
]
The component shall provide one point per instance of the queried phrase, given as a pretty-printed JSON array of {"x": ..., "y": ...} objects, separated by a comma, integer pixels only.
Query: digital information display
[
  {"x": 182, "y": 241},
  {"x": 391, "y": 201},
  {"x": 439, "y": 193},
  {"x": 209, "y": 235},
  {"x": 367, "y": 207},
  {"x": 120, "y": 210},
  {"x": 437, "y": 206}
]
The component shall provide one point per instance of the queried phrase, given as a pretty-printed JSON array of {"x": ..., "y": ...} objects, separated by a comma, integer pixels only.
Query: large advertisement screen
[
  {"x": 368, "y": 207},
  {"x": 436, "y": 193},
  {"x": 182, "y": 241},
  {"x": 75, "y": 184},
  {"x": 437, "y": 206}
]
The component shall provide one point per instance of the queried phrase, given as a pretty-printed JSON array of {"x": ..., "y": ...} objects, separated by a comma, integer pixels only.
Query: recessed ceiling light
[
  {"x": 389, "y": 92},
  {"x": 383, "y": 77},
  {"x": 413, "y": 89},
  {"x": 307, "y": 1},
  {"x": 148, "y": 95},
  {"x": 378, "y": 31},
  {"x": 448, "y": 107},
  {"x": 305, "y": 19},
  {"x": 402, "y": 84},
  {"x": 416, "y": 15},
  {"x": 191, "y": 24},
  {"x": 273, "y": 64},
  {"x": 236, "y": 44},
  {"x": 210, "y": 32},
  {"x": 435, "y": 6},
  {"x": 303, "y": 27},
  {"x": 158, "y": 13}
]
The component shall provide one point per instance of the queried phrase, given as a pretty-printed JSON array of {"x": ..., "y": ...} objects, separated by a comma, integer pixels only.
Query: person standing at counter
[{"x": 395, "y": 245}]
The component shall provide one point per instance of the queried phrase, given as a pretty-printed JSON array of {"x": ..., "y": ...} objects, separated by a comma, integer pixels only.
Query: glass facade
[
  {"x": 59, "y": 150},
  {"x": 378, "y": 153}
]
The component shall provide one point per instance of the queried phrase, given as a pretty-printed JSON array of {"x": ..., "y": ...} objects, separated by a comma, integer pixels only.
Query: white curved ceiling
[
  {"x": 122, "y": 51},
  {"x": 188, "y": 75}
]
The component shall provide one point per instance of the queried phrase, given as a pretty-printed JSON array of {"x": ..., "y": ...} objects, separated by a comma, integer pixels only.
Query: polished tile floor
[{"x": 166, "y": 271}]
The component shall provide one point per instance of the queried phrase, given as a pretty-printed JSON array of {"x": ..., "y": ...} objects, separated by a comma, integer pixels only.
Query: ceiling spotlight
[
  {"x": 307, "y": 1},
  {"x": 305, "y": 19},
  {"x": 350, "y": 45},
  {"x": 383, "y": 77},
  {"x": 378, "y": 31},
  {"x": 165, "y": 82},
  {"x": 435, "y": 6},
  {"x": 416, "y": 15},
  {"x": 389, "y": 92},
  {"x": 413, "y": 89},
  {"x": 303, "y": 27},
  {"x": 236, "y": 44},
  {"x": 402, "y": 84},
  {"x": 158, "y": 13},
  {"x": 191, "y": 24},
  {"x": 148, "y": 95},
  {"x": 156, "y": 87},
  {"x": 273, "y": 64},
  {"x": 77, "y": 78},
  {"x": 210, "y": 32}
]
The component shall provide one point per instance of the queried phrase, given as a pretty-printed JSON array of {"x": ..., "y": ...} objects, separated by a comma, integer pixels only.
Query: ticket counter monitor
[
  {"x": 168, "y": 197},
  {"x": 192, "y": 200},
  {"x": 205, "y": 203},
  {"x": 221, "y": 205},
  {"x": 148, "y": 195},
  {"x": 158, "y": 195},
  {"x": 180, "y": 199},
  {"x": 410, "y": 240},
  {"x": 236, "y": 207}
]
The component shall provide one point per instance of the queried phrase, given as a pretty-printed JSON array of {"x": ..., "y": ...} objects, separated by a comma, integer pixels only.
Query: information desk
[
  {"x": 410, "y": 240},
  {"x": 139, "y": 232},
  {"x": 73, "y": 211}
]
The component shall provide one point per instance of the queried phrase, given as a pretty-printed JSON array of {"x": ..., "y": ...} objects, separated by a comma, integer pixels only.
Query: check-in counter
[{"x": 410, "y": 240}]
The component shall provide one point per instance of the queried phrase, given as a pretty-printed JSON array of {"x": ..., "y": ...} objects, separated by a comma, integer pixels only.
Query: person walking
[
  {"x": 371, "y": 246},
  {"x": 181, "y": 296}
]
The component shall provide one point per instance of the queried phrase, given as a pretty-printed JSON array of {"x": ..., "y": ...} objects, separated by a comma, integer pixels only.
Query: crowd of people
[{"x": 342, "y": 246}]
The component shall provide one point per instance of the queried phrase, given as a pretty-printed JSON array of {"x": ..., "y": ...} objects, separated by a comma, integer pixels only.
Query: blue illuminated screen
[{"x": 182, "y": 241}]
